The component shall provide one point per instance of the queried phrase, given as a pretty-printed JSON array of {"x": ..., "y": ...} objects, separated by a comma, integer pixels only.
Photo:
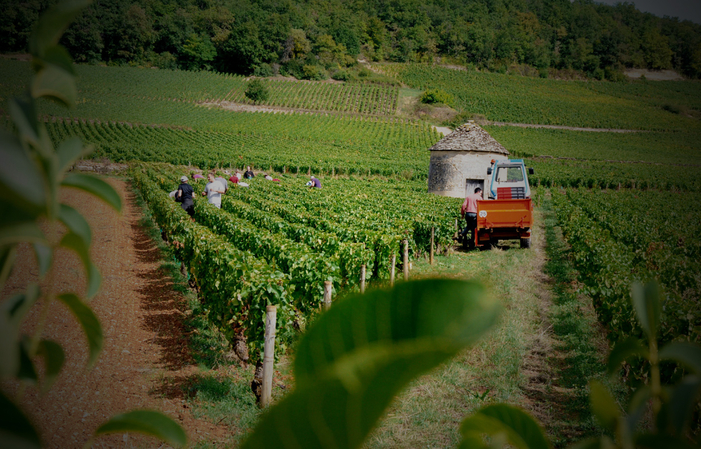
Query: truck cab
[{"x": 508, "y": 213}]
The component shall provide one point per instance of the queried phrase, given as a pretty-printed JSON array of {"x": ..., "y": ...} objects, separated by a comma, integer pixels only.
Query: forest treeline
[{"x": 315, "y": 38}]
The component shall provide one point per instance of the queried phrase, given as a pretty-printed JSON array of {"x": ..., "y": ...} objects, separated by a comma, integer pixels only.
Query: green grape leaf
[
  {"x": 75, "y": 223},
  {"x": 28, "y": 231},
  {"x": 44, "y": 256},
  {"x": 516, "y": 426},
  {"x": 686, "y": 353},
  {"x": 76, "y": 243},
  {"x": 24, "y": 116},
  {"x": 52, "y": 24},
  {"x": 603, "y": 406},
  {"x": 683, "y": 400},
  {"x": 68, "y": 152},
  {"x": 646, "y": 301},
  {"x": 26, "y": 370},
  {"x": 88, "y": 321},
  {"x": 399, "y": 315},
  {"x": 55, "y": 83},
  {"x": 363, "y": 351},
  {"x": 20, "y": 178},
  {"x": 96, "y": 186},
  {"x": 147, "y": 422},
  {"x": 622, "y": 351},
  {"x": 661, "y": 441},
  {"x": 7, "y": 259},
  {"x": 54, "y": 357},
  {"x": 16, "y": 431},
  {"x": 58, "y": 56}
]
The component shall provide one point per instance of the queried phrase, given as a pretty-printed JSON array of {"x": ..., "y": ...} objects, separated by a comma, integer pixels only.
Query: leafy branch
[{"x": 32, "y": 175}]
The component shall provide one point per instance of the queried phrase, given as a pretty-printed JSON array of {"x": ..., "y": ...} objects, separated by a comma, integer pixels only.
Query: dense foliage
[
  {"x": 278, "y": 243},
  {"x": 618, "y": 237},
  {"x": 307, "y": 38}
]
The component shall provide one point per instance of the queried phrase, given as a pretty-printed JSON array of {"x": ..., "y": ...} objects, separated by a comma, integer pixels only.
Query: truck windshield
[{"x": 509, "y": 174}]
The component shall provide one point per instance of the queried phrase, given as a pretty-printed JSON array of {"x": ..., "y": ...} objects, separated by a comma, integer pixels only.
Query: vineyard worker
[
  {"x": 223, "y": 182},
  {"x": 184, "y": 196},
  {"x": 249, "y": 173},
  {"x": 315, "y": 183},
  {"x": 235, "y": 178},
  {"x": 214, "y": 191},
  {"x": 469, "y": 212}
]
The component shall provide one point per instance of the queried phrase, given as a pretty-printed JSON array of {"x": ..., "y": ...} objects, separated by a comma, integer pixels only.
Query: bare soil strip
[
  {"x": 145, "y": 351},
  {"x": 567, "y": 128}
]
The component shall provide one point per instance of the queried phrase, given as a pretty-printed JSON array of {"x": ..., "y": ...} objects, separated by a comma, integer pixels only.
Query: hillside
[
  {"x": 610, "y": 209},
  {"x": 315, "y": 40}
]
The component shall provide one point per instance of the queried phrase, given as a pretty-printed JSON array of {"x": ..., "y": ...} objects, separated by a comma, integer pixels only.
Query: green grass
[{"x": 429, "y": 413}]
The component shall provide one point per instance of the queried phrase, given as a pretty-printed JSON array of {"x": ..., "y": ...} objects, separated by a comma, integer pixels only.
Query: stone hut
[{"x": 460, "y": 160}]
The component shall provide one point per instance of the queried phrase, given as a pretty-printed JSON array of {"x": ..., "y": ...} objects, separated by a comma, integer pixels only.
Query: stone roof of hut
[{"x": 469, "y": 137}]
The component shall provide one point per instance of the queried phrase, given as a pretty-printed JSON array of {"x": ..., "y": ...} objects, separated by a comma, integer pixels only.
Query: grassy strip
[
  {"x": 429, "y": 413},
  {"x": 579, "y": 338}
]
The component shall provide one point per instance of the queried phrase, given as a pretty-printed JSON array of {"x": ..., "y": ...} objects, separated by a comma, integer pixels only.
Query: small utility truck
[{"x": 508, "y": 212}]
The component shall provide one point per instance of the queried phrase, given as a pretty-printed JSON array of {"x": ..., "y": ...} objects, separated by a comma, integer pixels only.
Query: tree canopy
[{"x": 239, "y": 36}]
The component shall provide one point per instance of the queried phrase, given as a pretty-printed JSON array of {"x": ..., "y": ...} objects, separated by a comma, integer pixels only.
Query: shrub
[
  {"x": 434, "y": 96},
  {"x": 341, "y": 75},
  {"x": 257, "y": 91},
  {"x": 263, "y": 70},
  {"x": 313, "y": 72}
]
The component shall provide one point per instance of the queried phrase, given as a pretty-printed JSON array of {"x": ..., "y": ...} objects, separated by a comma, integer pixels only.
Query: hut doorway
[{"x": 472, "y": 184}]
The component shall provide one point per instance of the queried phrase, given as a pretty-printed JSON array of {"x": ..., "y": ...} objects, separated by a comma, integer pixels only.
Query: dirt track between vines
[{"x": 145, "y": 360}]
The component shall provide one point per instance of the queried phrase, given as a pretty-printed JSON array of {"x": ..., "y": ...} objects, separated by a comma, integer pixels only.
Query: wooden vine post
[
  {"x": 433, "y": 236},
  {"x": 268, "y": 355},
  {"x": 362, "y": 278},
  {"x": 393, "y": 265},
  {"x": 327, "y": 294},
  {"x": 405, "y": 261}
]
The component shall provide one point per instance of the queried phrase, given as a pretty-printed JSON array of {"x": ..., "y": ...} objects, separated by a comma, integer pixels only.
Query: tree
[{"x": 257, "y": 91}]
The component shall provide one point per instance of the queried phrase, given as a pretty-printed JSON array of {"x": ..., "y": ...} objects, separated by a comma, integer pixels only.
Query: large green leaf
[
  {"x": 24, "y": 115},
  {"x": 683, "y": 400},
  {"x": 12, "y": 311},
  {"x": 514, "y": 426},
  {"x": 7, "y": 260},
  {"x": 622, "y": 351},
  {"x": 88, "y": 321},
  {"x": 363, "y": 351},
  {"x": 20, "y": 178},
  {"x": 55, "y": 83},
  {"x": 15, "y": 429},
  {"x": 68, "y": 152},
  {"x": 44, "y": 256},
  {"x": 646, "y": 301},
  {"x": 75, "y": 223},
  {"x": 603, "y": 406},
  {"x": 448, "y": 313},
  {"x": 52, "y": 24},
  {"x": 22, "y": 232},
  {"x": 686, "y": 353},
  {"x": 76, "y": 243},
  {"x": 53, "y": 356},
  {"x": 650, "y": 441},
  {"x": 26, "y": 370},
  {"x": 58, "y": 56},
  {"x": 96, "y": 186},
  {"x": 147, "y": 422}
]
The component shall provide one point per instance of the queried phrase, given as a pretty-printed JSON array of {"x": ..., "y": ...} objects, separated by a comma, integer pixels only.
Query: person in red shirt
[{"x": 469, "y": 212}]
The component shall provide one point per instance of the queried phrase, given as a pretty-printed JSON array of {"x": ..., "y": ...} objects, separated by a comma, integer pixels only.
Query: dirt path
[
  {"x": 567, "y": 128},
  {"x": 144, "y": 348}
]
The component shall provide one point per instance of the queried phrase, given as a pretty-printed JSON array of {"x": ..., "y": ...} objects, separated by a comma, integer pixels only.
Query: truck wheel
[{"x": 526, "y": 243}]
